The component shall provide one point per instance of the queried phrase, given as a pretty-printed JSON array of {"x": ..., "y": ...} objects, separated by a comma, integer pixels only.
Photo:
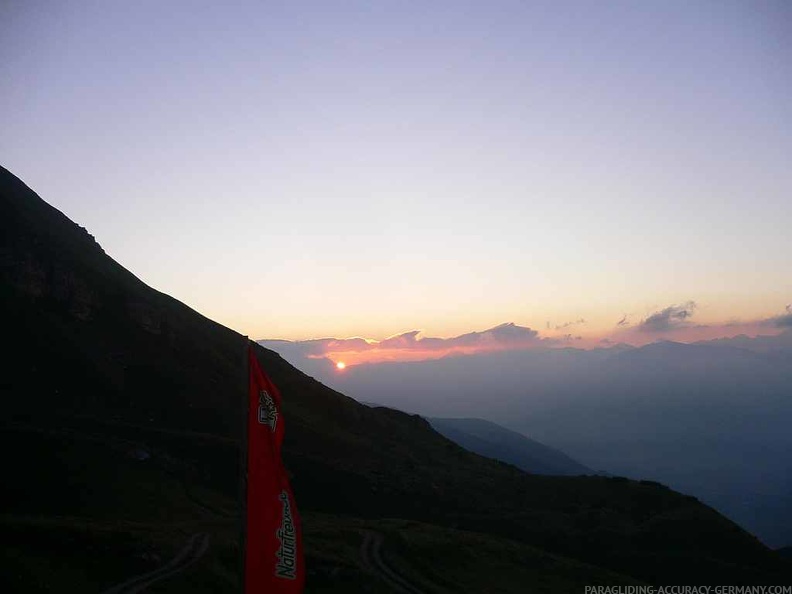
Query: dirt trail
[
  {"x": 189, "y": 554},
  {"x": 371, "y": 556}
]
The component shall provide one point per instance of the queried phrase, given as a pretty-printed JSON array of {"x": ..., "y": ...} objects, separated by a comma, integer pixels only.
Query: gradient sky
[{"x": 309, "y": 169}]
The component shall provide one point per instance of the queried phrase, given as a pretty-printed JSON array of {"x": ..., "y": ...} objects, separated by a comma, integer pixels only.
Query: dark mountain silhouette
[
  {"x": 121, "y": 427},
  {"x": 493, "y": 441}
]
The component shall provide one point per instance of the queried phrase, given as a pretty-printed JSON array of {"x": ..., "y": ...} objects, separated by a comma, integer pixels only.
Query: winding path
[
  {"x": 189, "y": 554},
  {"x": 371, "y": 555}
]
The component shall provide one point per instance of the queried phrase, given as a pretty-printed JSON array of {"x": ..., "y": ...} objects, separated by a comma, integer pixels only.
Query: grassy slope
[
  {"x": 100, "y": 515},
  {"x": 85, "y": 512}
]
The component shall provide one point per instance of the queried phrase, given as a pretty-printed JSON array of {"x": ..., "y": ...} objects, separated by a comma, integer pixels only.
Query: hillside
[{"x": 120, "y": 440}]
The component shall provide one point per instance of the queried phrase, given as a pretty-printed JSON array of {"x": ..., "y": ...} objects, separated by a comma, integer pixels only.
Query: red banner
[{"x": 273, "y": 542}]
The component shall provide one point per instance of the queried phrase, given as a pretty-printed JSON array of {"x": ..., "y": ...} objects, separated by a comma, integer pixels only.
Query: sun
[{"x": 340, "y": 365}]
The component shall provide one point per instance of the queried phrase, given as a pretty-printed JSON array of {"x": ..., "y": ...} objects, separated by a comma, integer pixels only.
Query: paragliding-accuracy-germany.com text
[{"x": 688, "y": 590}]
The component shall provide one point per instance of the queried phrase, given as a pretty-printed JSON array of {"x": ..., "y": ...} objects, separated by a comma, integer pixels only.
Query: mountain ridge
[{"x": 494, "y": 441}]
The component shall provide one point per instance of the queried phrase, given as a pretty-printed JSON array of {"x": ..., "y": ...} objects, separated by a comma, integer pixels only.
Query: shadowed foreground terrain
[{"x": 120, "y": 442}]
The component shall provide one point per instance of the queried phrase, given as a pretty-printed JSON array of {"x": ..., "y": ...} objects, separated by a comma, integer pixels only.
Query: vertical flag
[{"x": 273, "y": 540}]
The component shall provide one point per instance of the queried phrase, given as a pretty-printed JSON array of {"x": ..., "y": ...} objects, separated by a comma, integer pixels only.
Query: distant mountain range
[
  {"x": 710, "y": 419},
  {"x": 120, "y": 443},
  {"x": 493, "y": 441}
]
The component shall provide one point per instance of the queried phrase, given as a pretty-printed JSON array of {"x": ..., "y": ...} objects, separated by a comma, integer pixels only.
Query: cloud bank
[
  {"x": 672, "y": 317},
  {"x": 673, "y": 322},
  {"x": 784, "y": 320},
  {"x": 412, "y": 346}
]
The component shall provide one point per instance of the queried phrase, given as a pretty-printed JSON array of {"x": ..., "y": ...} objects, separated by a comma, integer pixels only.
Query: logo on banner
[{"x": 267, "y": 412}]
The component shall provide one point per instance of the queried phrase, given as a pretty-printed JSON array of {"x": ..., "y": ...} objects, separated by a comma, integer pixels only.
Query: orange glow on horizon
[
  {"x": 403, "y": 355},
  {"x": 345, "y": 356}
]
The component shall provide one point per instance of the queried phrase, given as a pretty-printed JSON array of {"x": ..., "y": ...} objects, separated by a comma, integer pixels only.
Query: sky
[{"x": 614, "y": 171}]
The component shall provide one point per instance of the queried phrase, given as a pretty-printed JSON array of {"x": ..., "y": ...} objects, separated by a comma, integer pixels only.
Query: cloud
[
  {"x": 676, "y": 321},
  {"x": 319, "y": 346},
  {"x": 509, "y": 333},
  {"x": 568, "y": 324},
  {"x": 411, "y": 346},
  {"x": 505, "y": 335},
  {"x": 784, "y": 320},
  {"x": 623, "y": 321},
  {"x": 570, "y": 338},
  {"x": 672, "y": 317}
]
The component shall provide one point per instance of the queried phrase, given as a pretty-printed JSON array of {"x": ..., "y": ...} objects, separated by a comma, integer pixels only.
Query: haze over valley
[{"x": 709, "y": 419}]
